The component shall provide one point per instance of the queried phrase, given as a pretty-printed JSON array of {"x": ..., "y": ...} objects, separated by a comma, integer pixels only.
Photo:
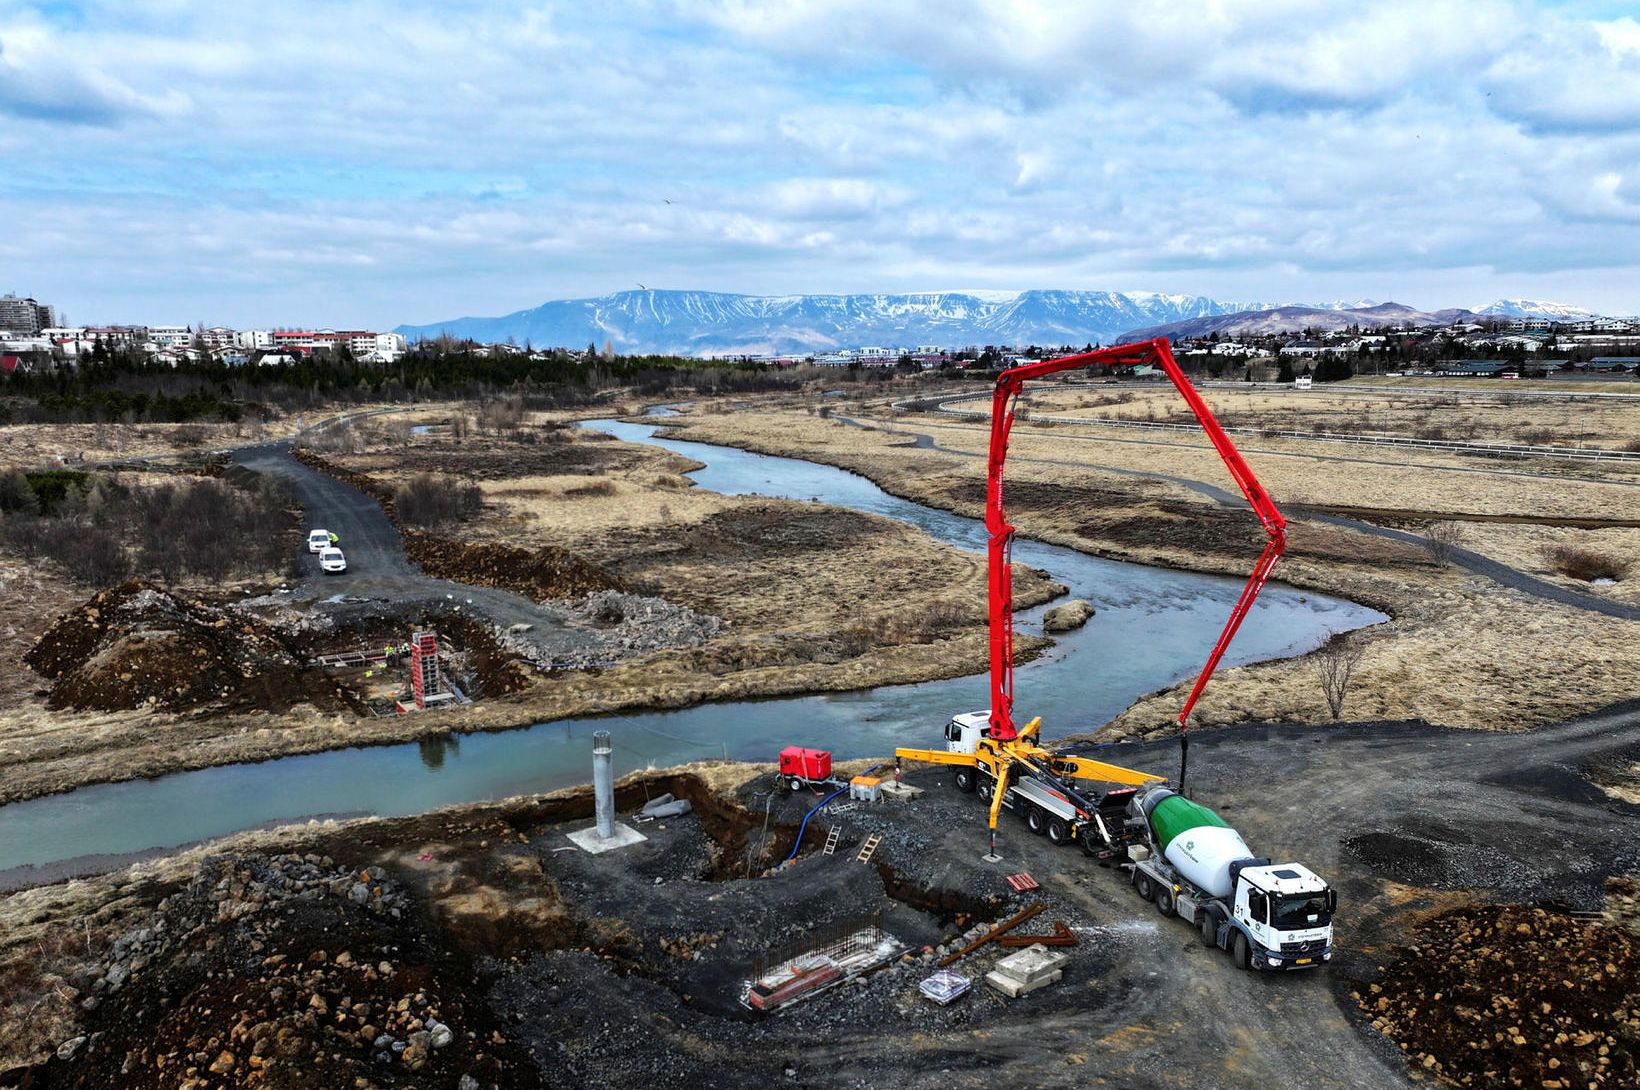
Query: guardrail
[{"x": 1503, "y": 450}]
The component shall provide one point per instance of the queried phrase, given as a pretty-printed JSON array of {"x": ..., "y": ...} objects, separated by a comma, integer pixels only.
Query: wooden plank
[
  {"x": 1030, "y": 912},
  {"x": 1061, "y": 936}
]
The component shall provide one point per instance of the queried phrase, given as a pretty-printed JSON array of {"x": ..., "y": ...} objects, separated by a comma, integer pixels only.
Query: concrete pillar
[{"x": 603, "y": 783}]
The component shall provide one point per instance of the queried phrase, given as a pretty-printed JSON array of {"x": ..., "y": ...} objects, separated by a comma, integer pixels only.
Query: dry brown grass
[
  {"x": 1490, "y": 419},
  {"x": 1460, "y": 650}
]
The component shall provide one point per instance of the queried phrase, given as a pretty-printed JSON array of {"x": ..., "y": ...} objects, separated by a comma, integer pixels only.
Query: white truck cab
[
  {"x": 1286, "y": 910},
  {"x": 963, "y": 733}
]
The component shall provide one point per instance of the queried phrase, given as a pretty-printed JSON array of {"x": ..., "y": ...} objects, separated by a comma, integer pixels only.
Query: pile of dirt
[
  {"x": 1515, "y": 996},
  {"x": 536, "y": 574},
  {"x": 282, "y": 971},
  {"x": 136, "y": 646}
]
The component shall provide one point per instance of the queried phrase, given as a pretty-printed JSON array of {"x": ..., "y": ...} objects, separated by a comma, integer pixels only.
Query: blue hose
[{"x": 805, "y": 824}]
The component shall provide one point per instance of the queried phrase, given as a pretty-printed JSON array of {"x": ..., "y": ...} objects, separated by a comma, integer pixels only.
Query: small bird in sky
[
  {"x": 664, "y": 199},
  {"x": 642, "y": 288}
]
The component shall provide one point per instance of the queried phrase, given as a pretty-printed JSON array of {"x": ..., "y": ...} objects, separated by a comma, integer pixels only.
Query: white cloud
[{"x": 379, "y": 162}]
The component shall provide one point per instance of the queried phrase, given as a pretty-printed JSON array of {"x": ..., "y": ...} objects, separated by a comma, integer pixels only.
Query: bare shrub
[
  {"x": 499, "y": 415},
  {"x": 1586, "y": 564},
  {"x": 671, "y": 482},
  {"x": 26, "y": 534},
  {"x": 1335, "y": 664},
  {"x": 1441, "y": 540},
  {"x": 89, "y": 554},
  {"x": 16, "y": 494},
  {"x": 600, "y": 487},
  {"x": 429, "y": 500}
]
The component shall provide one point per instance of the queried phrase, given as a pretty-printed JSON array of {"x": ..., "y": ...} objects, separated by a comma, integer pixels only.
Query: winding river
[{"x": 1152, "y": 628}]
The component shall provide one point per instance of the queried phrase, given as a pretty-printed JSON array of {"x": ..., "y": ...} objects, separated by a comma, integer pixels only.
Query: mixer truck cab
[{"x": 1195, "y": 866}]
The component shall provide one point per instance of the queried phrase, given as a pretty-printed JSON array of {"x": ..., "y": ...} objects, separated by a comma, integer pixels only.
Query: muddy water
[{"x": 1152, "y": 628}]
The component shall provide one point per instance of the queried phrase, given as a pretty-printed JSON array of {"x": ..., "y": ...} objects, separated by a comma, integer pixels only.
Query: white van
[{"x": 318, "y": 541}]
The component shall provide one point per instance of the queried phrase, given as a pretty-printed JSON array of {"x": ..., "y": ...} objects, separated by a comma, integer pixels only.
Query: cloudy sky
[{"x": 373, "y": 163}]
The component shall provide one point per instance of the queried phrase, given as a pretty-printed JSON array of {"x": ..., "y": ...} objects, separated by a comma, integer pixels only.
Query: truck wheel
[
  {"x": 963, "y": 780},
  {"x": 1164, "y": 900},
  {"x": 987, "y": 788},
  {"x": 1035, "y": 819},
  {"x": 1238, "y": 951},
  {"x": 1210, "y": 929},
  {"x": 1058, "y": 831},
  {"x": 1143, "y": 886}
]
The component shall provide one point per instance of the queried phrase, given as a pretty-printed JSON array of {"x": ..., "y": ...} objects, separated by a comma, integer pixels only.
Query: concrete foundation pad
[
  {"x": 590, "y": 842},
  {"x": 1013, "y": 989},
  {"x": 1032, "y": 964},
  {"x": 899, "y": 790}
]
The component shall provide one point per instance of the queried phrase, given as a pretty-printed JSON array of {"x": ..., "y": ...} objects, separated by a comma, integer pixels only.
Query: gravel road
[{"x": 377, "y": 567}]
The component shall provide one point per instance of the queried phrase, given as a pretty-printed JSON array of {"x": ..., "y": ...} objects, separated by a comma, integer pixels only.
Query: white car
[
  {"x": 318, "y": 541},
  {"x": 332, "y": 560}
]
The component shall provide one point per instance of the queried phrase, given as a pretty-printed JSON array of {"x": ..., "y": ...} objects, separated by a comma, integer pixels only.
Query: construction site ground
[{"x": 552, "y": 967}]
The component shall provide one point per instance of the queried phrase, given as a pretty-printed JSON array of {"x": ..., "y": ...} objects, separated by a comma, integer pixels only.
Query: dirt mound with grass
[
  {"x": 1506, "y": 996},
  {"x": 534, "y": 573},
  {"x": 136, "y": 646}
]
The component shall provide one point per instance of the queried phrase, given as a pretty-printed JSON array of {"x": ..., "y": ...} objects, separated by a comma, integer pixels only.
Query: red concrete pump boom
[{"x": 1001, "y": 533}]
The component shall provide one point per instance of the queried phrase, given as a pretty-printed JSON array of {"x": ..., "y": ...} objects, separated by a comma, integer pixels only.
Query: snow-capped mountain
[
  {"x": 703, "y": 323},
  {"x": 1534, "y": 308},
  {"x": 706, "y": 323},
  {"x": 1294, "y": 319}
]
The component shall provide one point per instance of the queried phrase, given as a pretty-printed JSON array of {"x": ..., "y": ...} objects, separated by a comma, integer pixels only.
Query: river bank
[{"x": 1156, "y": 503}]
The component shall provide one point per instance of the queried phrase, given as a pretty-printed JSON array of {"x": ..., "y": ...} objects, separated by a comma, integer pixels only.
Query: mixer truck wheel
[
  {"x": 1035, "y": 819},
  {"x": 1164, "y": 900},
  {"x": 1239, "y": 951},
  {"x": 1058, "y": 831},
  {"x": 1143, "y": 886},
  {"x": 963, "y": 779},
  {"x": 1210, "y": 929}
]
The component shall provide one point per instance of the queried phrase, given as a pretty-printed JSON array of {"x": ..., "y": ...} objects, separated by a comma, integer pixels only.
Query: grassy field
[
  {"x": 1454, "y": 414},
  {"x": 1460, "y": 649}
]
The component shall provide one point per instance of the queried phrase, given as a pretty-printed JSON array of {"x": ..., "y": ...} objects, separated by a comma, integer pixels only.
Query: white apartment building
[
  {"x": 170, "y": 336},
  {"x": 253, "y": 338}
]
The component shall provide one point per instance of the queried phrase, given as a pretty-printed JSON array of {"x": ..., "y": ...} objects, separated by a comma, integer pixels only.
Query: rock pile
[
  {"x": 1515, "y": 996},
  {"x": 225, "y": 985},
  {"x": 634, "y": 624}
]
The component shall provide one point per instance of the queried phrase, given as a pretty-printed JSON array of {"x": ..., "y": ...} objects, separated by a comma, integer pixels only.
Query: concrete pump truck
[{"x": 1179, "y": 855}]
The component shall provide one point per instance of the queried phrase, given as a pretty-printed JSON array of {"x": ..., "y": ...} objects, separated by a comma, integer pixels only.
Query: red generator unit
[{"x": 804, "y": 767}]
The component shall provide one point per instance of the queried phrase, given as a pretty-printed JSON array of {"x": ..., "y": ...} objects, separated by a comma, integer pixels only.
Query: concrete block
[
  {"x": 1032, "y": 963},
  {"x": 1013, "y": 989},
  {"x": 899, "y": 790}
]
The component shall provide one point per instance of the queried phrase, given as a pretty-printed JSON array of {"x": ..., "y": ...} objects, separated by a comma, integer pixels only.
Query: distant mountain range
[{"x": 701, "y": 323}]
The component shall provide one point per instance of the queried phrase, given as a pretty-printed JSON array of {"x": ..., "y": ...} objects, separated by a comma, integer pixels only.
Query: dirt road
[{"x": 377, "y": 567}]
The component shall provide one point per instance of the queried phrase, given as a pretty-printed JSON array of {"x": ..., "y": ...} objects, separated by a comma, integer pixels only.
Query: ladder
[
  {"x": 832, "y": 838},
  {"x": 868, "y": 848}
]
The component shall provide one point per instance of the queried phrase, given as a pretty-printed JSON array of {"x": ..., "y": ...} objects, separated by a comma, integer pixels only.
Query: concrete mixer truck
[{"x": 1193, "y": 865}]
